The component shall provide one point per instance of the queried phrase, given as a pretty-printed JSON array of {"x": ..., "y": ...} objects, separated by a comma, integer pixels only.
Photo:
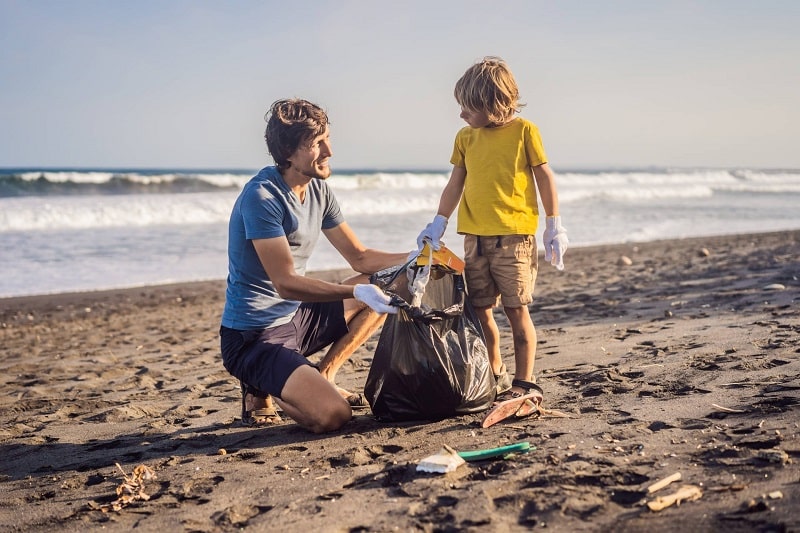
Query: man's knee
[
  {"x": 315, "y": 402},
  {"x": 332, "y": 420}
]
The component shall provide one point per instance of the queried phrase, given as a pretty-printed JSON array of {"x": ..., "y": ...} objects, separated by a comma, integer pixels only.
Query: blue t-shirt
[{"x": 267, "y": 208}]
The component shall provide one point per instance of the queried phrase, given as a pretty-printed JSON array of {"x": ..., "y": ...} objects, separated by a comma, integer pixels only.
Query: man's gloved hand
[
  {"x": 555, "y": 242},
  {"x": 373, "y": 297},
  {"x": 433, "y": 232}
]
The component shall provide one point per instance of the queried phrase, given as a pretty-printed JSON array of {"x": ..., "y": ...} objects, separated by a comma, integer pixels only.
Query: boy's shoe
[
  {"x": 503, "y": 380},
  {"x": 512, "y": 403}
]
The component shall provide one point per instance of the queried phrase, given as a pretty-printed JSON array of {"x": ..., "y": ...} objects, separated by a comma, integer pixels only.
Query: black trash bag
[{"x": 431, "y": 360}]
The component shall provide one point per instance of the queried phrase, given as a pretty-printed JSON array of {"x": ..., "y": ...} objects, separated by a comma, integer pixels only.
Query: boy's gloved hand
[
  {"x": 555, "y": 242},
  {"x": 374, "y": 297},
  {"x": 433, "y": 232}
]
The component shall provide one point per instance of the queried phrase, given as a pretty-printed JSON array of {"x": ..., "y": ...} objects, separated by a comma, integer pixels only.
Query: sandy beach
[{"x": 668, "y": 357}]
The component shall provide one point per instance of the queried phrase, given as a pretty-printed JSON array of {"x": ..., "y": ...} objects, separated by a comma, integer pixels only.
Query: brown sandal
[
  {"x": 265, "y": 416},
  {"x": 514, "y": 403},
  {"x": 262, "y": 416}
]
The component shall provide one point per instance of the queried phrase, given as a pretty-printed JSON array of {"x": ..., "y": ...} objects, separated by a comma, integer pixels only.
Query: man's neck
[{"x": 297, "y": 182}]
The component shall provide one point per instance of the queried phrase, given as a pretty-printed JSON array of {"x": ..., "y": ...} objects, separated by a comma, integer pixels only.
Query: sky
[{"x": 186, "y": 84}]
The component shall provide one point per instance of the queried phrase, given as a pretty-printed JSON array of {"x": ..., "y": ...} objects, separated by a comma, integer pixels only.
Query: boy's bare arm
[
  {"x": 451, "y": 194},
  {"x": 546, "y": 184},
  {"x": 554, "y": 238}
]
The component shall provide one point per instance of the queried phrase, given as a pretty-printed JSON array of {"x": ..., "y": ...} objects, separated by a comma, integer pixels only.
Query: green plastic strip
[{"x": 477, "y": 455}]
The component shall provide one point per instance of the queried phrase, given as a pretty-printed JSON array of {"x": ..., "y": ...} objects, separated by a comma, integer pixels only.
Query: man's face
[{"x": 311, "y": 158}]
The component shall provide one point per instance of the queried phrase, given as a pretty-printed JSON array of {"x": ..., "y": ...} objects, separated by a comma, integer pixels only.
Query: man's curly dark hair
[{"x": 290, "y": 123}]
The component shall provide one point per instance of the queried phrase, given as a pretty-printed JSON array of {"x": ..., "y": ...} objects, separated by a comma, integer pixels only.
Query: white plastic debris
[{"x": 446, "y": 460}]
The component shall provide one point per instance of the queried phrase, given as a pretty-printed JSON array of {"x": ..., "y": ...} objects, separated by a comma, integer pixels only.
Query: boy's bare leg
[
  {"x": 519, "y": 401},
  {"x": 492, "y": 336},
  {"x": 524, "y": 334}
]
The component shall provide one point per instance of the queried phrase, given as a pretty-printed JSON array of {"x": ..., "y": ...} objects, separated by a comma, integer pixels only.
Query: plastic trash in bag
[{"x": 431, "y": 360}]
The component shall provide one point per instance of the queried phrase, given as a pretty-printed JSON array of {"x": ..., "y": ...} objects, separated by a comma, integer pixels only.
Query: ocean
[{"x": 66, "y": 230}]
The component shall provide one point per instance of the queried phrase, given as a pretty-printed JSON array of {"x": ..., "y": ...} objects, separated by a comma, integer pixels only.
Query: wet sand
[{"x": 683, "y": 358}]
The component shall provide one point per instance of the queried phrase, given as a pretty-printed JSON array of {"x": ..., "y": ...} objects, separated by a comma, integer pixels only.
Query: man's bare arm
[
  {"x": 276, "y": 258},
  {"x": 361, "y": 259}
]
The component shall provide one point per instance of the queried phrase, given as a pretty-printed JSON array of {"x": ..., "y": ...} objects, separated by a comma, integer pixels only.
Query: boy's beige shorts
[{"x": 500, "y": 268}]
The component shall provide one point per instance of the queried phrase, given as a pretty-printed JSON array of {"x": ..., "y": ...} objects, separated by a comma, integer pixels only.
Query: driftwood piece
[
  {"x": 726, "y": 409},
  {"x": 686, "y": 493},
  {"x": 658, "y": 485}
]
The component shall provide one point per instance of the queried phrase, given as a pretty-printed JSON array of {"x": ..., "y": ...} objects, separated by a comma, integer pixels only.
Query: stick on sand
[
  {"x": 658, "y": 485},
  {"x": 686, "y": 493}
]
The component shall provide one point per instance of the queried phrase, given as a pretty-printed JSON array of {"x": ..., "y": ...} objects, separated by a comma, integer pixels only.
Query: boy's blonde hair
[{"x": 489, "y": 86}]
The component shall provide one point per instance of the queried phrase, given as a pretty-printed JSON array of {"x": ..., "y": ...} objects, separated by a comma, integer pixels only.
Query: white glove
[
  {"x": 373, "y": 297},
  {"x": 555, "y": 242},
  {"x": 433, "y": 232}
]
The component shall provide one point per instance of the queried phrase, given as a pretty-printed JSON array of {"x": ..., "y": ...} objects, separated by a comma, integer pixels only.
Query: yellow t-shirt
[{"x": 499, "y": 190}]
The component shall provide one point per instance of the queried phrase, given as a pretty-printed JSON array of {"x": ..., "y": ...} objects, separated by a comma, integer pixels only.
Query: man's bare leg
[
  {"x": 362, "y": 322},
  {"x": 313, "y": 402},
  {"x": 362, "y": 325}
]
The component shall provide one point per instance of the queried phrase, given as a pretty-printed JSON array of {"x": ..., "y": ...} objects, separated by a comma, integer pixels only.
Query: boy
[{"x": 496, "y": 160}]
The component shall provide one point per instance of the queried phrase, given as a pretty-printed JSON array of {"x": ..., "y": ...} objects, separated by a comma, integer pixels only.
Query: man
[{"x": 274, "y": 315}]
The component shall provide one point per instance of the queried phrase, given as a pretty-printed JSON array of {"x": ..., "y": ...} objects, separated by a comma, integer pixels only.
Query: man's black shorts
[{"x": 264, "y": 359}]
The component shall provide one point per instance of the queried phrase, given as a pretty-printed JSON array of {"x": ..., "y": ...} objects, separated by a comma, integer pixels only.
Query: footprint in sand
[
  {"x": 363, "y": 455},
  {"x": 237, "y": 516}
]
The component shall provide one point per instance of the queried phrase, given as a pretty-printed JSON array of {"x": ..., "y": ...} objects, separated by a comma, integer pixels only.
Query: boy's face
[{"x": 476, "y": 119}]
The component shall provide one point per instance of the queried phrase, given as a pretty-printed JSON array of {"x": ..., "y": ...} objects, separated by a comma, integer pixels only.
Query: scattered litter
[
  {"x": 727, "y": 409},
  {"x": 553, "y": 413},
  {"x": 775, "y": 495},
  {"x": 775, "y": 287},
  {"x": 663, "y": 483},
  {"x": 776, "y": 455},
  {"x": 686, "y": 493},
  {"x": 446, "y": 460},
  {"x": 502, "y": 451},
  {"x": 755, "y": 505},
  {"x": 130, "y": 490}
]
